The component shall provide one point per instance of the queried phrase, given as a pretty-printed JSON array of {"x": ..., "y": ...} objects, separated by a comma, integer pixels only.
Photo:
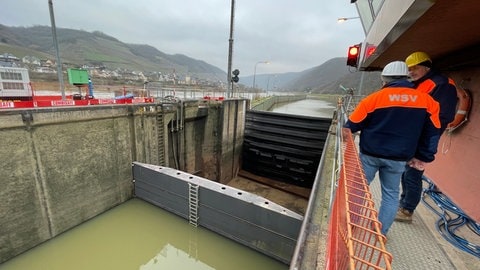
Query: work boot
[{"x": 403, "y": 215}]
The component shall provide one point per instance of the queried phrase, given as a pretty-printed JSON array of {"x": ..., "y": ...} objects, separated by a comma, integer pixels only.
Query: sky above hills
[{"x": 291, "y": 35}]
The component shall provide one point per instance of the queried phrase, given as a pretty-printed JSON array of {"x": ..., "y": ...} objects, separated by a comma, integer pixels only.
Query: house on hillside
[
  {"x": 31, "y": 60},
  {"x": 47, "y": 63},
  {"x": 9, "y": 60},
  {"x": 40, "y": 69}
]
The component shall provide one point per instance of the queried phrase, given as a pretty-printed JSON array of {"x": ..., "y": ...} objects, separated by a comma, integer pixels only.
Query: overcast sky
[{"x": 293, "y": 35}]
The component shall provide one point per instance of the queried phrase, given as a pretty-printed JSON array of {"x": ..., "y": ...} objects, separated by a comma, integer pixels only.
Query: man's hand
[{"x": 417, "y": 164}]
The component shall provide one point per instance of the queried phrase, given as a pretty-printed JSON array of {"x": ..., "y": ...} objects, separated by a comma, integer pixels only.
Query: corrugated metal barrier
[
  {"x": 284, "y": 147},
  {"x": 354, "y": 240},
  {"x": 242, "y": 216}
]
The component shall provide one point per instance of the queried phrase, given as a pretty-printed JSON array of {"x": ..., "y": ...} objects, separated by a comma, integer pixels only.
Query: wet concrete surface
[{"x": 289, "y": 200}]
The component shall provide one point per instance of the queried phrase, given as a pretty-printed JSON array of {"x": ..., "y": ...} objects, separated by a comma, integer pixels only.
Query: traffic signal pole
[{"x": 230, "y": 53}]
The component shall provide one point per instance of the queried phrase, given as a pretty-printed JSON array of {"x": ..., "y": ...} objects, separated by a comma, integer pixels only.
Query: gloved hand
[{"x": 417, "y": 164}]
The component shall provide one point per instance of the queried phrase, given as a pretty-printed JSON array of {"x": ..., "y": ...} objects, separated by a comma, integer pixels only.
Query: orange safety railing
[{"x": 354, "y": 240}]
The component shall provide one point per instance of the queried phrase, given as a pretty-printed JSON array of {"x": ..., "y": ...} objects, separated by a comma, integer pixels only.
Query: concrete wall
[
  {"x": 209, "y": 142},
  {"x": 63, "y": 166},
  {"x": 231, "y": 142},
  {"x": 60, "y": 168}
]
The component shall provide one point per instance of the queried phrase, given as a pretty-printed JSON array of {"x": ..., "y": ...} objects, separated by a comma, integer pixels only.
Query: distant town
[{"x": 41, "y": 68}]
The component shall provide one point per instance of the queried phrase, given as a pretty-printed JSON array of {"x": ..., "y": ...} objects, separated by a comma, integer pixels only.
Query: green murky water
[{"x": 138, "y": 235}]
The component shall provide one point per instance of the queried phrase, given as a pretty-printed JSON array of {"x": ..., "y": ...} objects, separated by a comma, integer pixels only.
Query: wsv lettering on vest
[{"x": 403, "y": 98}]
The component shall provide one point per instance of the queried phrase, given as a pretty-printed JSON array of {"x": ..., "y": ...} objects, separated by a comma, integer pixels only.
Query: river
[{"x": 307, "y": 107}]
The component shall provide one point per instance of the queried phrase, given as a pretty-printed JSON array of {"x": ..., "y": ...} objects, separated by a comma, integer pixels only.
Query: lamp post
[
  {"x": 342, "y": 19},
  {"x": 268, "y": 82},
  {"x": 255, "y": 71},
  {"x": 55, "y": 45},
  {"x": 230, "y": 52}
]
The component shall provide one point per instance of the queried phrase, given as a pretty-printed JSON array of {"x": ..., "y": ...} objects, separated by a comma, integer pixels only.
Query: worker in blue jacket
[
  {"x": 396, "y": 123},
  {"x": 443, "y": 90}
]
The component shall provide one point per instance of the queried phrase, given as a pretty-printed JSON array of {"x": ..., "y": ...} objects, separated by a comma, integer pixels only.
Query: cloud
[{"x": 291, "y": 35}]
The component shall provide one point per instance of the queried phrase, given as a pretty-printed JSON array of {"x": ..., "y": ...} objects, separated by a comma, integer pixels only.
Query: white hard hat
[{"x": 395, "y": 69}]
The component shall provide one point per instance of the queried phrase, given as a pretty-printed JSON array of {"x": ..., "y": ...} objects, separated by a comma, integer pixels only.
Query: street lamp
[
  {"x": 268, "y": 82},
  {"x": 230, "y": 53},
  {"x": 342, "y": 19},
  {"x": 255, "y": 71},
  {"x": 55, "y": 45}
]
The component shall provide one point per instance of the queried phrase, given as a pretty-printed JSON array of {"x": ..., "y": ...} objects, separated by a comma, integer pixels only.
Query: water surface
[
  {"x": 307, "y": 107},
  {"x": 138, "y": 235}
]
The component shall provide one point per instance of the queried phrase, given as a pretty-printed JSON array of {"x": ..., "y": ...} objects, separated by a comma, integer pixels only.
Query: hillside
[
  {"x": 101, "y": 50},
  {"x": 370, "y": 83},
  {"x": 98, "y": 49},
  {"x": 327, "y": 78},
  {"x": 329, "y": 71}
]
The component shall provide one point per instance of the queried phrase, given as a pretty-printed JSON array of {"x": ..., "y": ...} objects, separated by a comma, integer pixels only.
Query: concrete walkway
[
  {"x": 415, "y": 246},
  {"x": 419, "y": 245}
]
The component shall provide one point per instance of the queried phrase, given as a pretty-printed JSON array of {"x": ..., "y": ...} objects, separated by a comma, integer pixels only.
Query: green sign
[{"x": 77, "y": 76}]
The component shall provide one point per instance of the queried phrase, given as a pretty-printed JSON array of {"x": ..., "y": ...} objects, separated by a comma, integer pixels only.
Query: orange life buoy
[{"x": 464, "y": 104}]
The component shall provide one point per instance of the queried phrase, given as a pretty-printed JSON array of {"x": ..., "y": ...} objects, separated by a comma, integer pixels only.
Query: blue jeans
[
  {"x": 411, "y": 188},
  {"x": 389, "y": 172}
]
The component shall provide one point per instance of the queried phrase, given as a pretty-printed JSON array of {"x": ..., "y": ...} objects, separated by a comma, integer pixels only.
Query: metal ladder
[
  {"x": 193, "y": 204},
  {"x": 160, "y": 135},
  {"x": 193, "y": 243}
]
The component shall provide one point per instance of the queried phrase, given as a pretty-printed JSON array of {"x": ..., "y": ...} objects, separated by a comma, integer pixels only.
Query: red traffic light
[
  {"x": 370, "y": 50},
  {"x": 353, "y": 53}
]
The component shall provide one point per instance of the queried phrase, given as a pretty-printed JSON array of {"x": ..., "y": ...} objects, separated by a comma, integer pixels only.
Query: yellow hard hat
[{"x": 417, "y": 58}]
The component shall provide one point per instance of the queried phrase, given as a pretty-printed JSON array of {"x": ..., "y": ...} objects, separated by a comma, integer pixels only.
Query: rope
[
  {"x": 451, "y": 219},
  {"x": 447, "y": 143}
]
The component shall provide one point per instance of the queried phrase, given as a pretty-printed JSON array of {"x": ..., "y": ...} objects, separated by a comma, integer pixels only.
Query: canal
[
  {"x": 138, "y": 235},
  {"x": 307, "y": 107}
]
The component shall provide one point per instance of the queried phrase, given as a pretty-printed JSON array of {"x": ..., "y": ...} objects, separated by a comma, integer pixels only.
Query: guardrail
[
  {"x": 57, "y": 102},
  {"x": 354, "y": 238}
]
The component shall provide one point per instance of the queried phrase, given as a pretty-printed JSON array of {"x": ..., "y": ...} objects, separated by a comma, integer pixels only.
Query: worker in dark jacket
[
  {"x": 443, "y": 90},
  {"x": 396, "y": 123}
]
